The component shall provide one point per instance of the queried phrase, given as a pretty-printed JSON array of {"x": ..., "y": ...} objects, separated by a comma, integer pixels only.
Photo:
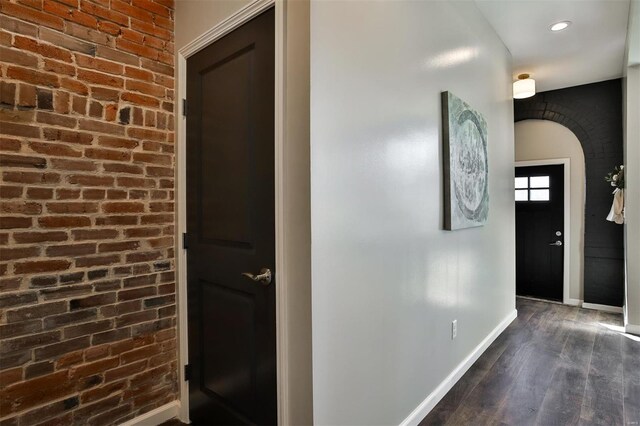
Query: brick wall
[
  {"x": 593, "y": 112},
  {"x": 87, "y": 290}
]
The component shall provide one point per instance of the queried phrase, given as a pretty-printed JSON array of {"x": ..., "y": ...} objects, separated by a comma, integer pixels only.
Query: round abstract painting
[{"x": 466, "y": 165}]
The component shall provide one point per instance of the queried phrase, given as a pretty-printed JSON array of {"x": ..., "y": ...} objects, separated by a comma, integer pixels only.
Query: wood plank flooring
[{"x": 554, "y": 365}]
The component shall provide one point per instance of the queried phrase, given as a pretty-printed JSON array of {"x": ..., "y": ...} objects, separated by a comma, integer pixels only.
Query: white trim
[
  {"x": 604, "y": 308},
  {"x": 633, "y": 329},
  {"x": 574, "y": 302},
  {"x": 223, "y": 28},
  {"x": 282, "y": 322},
  {"x": 566, "y": 266},
  {"x": 216, "y": 32},
  {"x": 181, "y": 254},
  {"x": 155, "y": 417},
  {"x": 434, "y": 397}
]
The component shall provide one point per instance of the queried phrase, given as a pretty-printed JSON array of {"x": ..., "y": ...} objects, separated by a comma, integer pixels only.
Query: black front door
[
  {"x": 540, "y": 231},
  {"x": 231, "y": 228}
]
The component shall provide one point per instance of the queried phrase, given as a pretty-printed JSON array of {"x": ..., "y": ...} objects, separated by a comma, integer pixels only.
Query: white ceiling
[{"x": 591, "y": 49}]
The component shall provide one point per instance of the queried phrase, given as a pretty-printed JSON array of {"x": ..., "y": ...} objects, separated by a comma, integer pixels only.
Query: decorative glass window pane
[
  {"x": 539, "y": 182},
  {"x": 539, "y": 195},
  {"x": 521, "y": 182},
  {"x": 522, "y": 195}
]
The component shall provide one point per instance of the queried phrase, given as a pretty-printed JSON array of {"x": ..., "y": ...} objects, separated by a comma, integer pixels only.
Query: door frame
[
  {"x": 566, "y": 272},
  {"x": 219, "y": 30}
]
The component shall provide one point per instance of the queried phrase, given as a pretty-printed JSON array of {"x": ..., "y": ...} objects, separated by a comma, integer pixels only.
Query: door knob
[
  {"x": 264, "y": 277},
  {"x": 557, "y": 243}
]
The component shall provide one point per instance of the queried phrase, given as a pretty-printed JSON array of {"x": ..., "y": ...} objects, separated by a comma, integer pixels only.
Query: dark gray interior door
[
  {"x": 540, "y": 231},
  {"x": 231, "y": 228}
]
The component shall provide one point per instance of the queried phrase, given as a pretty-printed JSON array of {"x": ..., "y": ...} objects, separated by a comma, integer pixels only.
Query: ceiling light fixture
[
  {"x": 524, "y": 87},
  {"x": 559, "y": 26}
]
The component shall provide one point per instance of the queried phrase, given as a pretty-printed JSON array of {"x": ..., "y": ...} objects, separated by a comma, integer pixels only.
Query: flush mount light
[
  {"x": 559, "y": 26},
  {"x": 524, "y": 87}
]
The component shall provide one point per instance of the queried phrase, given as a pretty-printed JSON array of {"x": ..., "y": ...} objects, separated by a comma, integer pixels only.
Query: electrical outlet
[{"x": 454, "y": 329}]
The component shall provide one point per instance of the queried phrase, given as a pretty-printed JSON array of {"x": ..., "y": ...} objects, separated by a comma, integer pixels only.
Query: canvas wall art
[{"x": 466, "y": 168}]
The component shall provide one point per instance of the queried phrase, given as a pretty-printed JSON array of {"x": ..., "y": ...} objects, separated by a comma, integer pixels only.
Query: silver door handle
[
  {"x": 264, "y": 277},
  {"x": 557, "y": 243}
]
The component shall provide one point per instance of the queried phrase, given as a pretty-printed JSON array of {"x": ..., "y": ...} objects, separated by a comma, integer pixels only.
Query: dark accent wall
[{"x": 594, "y": 113}]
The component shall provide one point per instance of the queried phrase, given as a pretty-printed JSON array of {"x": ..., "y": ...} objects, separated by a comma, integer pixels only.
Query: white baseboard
[
  {"x": 155, "y": 417},
  {"x": 573, "y": 302},
  {"x": 632, "y": 328},
  {"x": 434, "y": 397},
  {"x": 604, "y": 308}
]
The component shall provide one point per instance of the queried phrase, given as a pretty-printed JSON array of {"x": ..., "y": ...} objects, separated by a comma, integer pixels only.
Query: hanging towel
[{"x": 617, "y": 208}]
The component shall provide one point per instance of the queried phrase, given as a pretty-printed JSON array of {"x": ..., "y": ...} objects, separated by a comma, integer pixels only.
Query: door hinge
[
  {"x": 185, "y": 240},
  {"x": 187, "y": 372},
  {"x": 184, "y": 107}
]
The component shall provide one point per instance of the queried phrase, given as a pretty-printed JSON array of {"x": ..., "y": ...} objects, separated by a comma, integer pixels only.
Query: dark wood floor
[{"x": 554, "y": 365}]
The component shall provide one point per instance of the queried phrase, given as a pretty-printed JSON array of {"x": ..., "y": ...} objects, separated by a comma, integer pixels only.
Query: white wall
[
  {"x": 387, "y": 280},
  {"x": 632, "y": 169},
  {"x": 195, "y": 17},
  {"x": 540, "y": 140}
]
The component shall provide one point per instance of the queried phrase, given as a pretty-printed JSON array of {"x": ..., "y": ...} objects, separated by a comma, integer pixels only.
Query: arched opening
[{"x": 545, "y": 140}]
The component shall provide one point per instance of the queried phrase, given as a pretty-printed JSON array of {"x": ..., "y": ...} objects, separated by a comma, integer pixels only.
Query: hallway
[{"x": 554, "y": 364}]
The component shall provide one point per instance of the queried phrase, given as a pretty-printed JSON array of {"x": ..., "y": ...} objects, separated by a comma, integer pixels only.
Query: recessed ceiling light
[{"x": 559, "y": 26}]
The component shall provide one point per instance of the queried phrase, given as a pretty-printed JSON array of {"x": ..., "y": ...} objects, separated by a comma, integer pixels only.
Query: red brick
[
  {"x": 16, "y": 129},
  {"x": 10, "y": 191},
  {"x": 67, "y": 194},
  {"x": 72, "y": 358},
  {"x": 118, "y": 246},
  {"x": 92, "y": 368},
  {"x": 47, "y": 50},
  {"x": 39, "y": 237},
  {"x": 18, "y": 253},
  {"x": 74, "y": 86},
  {"x": 56, "y": 119},
  {"x": 151, "y": 29},
  {"x": 117, "y": 56},
  {"x": 87, "y": 328},
  {"x": 70, "y": 14},
  {"x": 85, "y": 262},
  {"x": 33, "y": 77},
  {"x": 146, "y": 88},
  {"x": 7, "y": 93},
  {"x": 116, "y": 142},
  {"x": 24, "y": 395},
  {"x": 10, "y": 222},
  {"x": 34, "y": 193},
  {"x": 32, "y": 15},
  {"x": 70, "y": 250},
  {"x": 123, "y": 168},
  {"x": 54, "y": 149},
  {"x": 31, "y": 177},
  {"x": 94, "y": 234},
  {"x": 123, "y": 207},
  {"x": 125, "y": 371},
  {"x": 138, "y": 74},
  {"x": 94, "y": 194},
  {"x": 7, "y": 144},
  {"x": 35, "y": 267},
  {"x": 91, "y": 180},
  {"x": 70, "y": 43},
  {"x": 10, "y": 376},
  {"x": 107, "y": 154},
  {"x": 38, "y": 311},
  {"x": 58, "y": 67},
  {"x": 61, "y": 348},
  {"x": 99, "y": 78},
  {"x": 64, "y": 221},
  {"x": 75, "y": 165},
  {"x": 138, "y": 99},
  {"x": 100, "y": 126},
  {"x": 17, "y": 26}
]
